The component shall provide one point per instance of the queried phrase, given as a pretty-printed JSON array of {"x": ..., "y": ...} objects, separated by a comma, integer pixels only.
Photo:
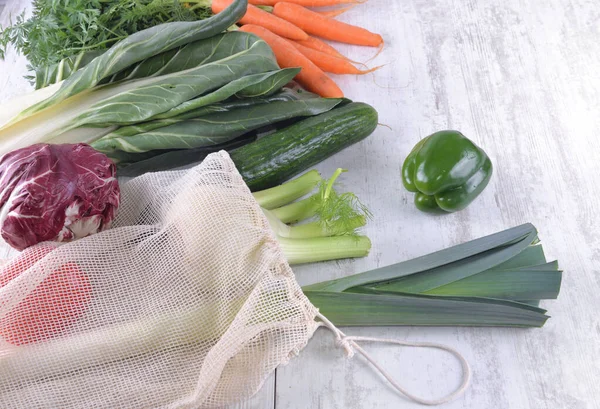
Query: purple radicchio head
[{"x": 55, "y": 193}]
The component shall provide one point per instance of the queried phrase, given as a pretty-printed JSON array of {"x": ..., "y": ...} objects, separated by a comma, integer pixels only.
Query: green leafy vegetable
[
  {"x": 72, "y": 32},
  {"x": 256, "y": 85},
  {"x": 189, "y": 55},
  {"x": 139, "y": 100},
  {"x": 212, "y": 129},
  {"x": 222, "y": 107},
  {"x": 482, "y": 282},
  {"x": 135, "y": 164},
  {"x": 185, "y": 57},
  {"x": 137, "y": 47},
  {"x": 63, "y": 69},
  {"x": 190, "y": 156}
]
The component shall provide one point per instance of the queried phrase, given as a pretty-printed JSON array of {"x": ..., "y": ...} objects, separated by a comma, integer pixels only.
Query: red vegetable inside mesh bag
[
  {"x": 55, "y": 193},
  {"x": 52, "y": 307}
]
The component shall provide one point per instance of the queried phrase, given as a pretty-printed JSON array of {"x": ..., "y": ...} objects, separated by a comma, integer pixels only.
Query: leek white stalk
[{"x": 205, "y": 320}]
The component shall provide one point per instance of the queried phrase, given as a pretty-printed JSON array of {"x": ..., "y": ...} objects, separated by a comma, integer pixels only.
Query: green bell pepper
[{"x": 446, "y": 171}]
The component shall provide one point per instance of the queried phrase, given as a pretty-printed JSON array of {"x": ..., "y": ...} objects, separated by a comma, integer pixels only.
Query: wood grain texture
[{"x": 522, "y": 79}]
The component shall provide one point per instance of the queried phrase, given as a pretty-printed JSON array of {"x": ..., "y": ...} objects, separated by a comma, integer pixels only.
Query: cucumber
[{"x": 277, "y": 157}]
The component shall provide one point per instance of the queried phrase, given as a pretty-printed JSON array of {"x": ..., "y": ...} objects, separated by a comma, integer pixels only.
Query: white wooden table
[{"x": 522, "y": 79}]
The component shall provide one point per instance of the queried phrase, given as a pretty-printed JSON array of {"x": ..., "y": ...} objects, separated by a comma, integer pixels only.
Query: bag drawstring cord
[{"x": 349, "y": 344}]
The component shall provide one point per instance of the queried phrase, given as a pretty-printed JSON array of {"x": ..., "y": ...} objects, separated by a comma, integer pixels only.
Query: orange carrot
[
  {"x": 336, "y": 12},
  {"x": 254, "y": 15},
  {"x": 319, "y": 45},
  {"x": 306, "y": 3},
  {"x": 330, "y": 29},
  {"x": 329, "y": 63},
  {"x": 310, "y": 76}
]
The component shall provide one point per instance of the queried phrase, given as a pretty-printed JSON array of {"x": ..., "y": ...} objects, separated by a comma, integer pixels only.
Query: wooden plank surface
[{"x": 522, "y": 79}]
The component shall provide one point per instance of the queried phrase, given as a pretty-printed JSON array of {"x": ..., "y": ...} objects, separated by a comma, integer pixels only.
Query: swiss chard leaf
[
  {"x": 134, "y": 101},
  {"x": 57, "y": 72},
  {"x": 135, "y": 164},
  {"x": 226, "y": 106},
  {"x": 258, "y": 84},
  {"x": 156, "y": 95},
  {"x": 214, "y": 129},
  {"x": 136, "y": 48}
]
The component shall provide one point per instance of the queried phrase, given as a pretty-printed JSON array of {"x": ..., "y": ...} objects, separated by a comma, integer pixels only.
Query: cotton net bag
[{"x": 186, "y": 302}]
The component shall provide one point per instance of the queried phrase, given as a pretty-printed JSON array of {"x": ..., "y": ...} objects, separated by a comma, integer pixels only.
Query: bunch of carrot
[{"x": 295, "y": 34}]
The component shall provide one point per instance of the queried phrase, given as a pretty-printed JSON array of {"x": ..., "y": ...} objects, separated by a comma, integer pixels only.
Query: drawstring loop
[{"x": 350, "y": 345}]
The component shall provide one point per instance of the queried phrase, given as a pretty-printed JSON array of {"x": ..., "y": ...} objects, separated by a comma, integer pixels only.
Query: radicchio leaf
[{"x": 55, "y": 193}]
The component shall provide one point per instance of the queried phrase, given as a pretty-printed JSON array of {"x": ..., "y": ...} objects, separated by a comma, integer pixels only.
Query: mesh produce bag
[{"x": 187, "y": 302}]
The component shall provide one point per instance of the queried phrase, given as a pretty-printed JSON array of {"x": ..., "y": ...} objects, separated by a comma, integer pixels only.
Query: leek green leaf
[
  {"x": 533, "y": 282},
  {"x": 522, "y": 236},
  {"x": 529, "y": 283},
  {"x": 496, "y": 280},
  {"x": 445, "y": 274},
  {"x": 531, "y": 256},
  {"x": 379, "y": 309},
  {"x": 534, "y": 303}
]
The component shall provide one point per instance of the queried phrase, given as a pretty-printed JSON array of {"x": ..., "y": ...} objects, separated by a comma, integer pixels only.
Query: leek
[
  {"x": 205, "y": 322},
  {"x": 496, "y": 280}
]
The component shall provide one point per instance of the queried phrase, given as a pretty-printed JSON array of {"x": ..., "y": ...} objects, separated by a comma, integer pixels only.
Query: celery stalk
[
  {"x": 297, "y": 211},
  {"x": 332, "y": 236},
  {"x": 299, "y": 251},
  {"x": 288, "y": 192},
  {"x": 318, "y": 229}
]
